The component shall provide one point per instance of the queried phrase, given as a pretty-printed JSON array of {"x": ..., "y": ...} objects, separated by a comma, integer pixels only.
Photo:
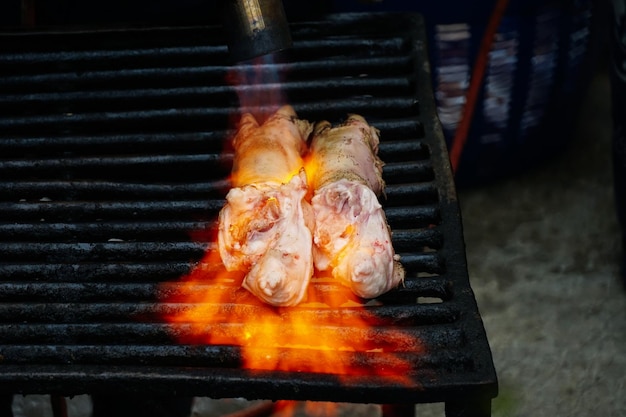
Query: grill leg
[
  {"x": 398, "y": 410},
  {"x": 59, "y": 406},
  {"x": 6, "y": 402},
  {"x": 470, "y": 408}
]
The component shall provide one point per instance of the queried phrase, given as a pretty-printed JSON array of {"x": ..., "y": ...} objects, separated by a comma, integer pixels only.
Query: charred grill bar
[{"x": 113, "y": 168}]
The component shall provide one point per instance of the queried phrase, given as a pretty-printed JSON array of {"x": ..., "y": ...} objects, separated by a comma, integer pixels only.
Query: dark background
[{"x": 119, "y": 12}]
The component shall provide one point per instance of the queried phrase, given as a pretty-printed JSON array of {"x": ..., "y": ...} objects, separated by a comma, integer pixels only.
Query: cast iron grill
[{"x": 113, "y": 169}]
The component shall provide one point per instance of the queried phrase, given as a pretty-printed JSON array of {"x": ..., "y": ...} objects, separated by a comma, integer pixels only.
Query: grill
[{"x": 113, "y": 169}]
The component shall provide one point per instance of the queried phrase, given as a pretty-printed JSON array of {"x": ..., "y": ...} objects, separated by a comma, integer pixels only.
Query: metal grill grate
[{"x": 112, "y": 158}]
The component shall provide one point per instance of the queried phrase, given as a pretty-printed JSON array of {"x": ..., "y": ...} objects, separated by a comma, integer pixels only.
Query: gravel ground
[
  {"x": 545, "y": 269},
  {"x": 544, "y": 266}
]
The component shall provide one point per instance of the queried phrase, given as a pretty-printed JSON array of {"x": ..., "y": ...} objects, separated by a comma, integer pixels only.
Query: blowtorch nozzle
[{"x": 255, "y": 28}]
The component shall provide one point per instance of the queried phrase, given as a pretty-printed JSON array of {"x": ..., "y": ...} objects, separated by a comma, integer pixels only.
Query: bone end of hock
[{"x": 255, "y": 28}]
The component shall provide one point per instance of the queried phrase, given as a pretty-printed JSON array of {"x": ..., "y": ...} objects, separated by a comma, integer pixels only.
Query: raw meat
[
  {"x": 265, "y": 225},
  {"x": 351, "y": 234}
]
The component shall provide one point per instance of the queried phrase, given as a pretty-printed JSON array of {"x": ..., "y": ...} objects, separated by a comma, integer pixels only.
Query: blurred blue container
[{"x": 539, "y": 67}]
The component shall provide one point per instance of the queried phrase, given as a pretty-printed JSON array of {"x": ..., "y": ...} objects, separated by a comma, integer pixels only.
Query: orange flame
[{"x": 333, "y": 332}]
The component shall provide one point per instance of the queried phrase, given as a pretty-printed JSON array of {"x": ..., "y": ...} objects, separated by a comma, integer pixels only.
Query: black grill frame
[{"x": 77, "y": 317}]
